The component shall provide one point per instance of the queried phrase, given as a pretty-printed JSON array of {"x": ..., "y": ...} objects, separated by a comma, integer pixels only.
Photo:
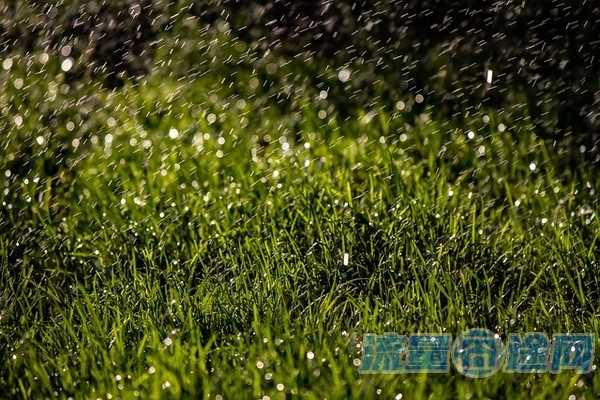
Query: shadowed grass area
[{"x": 178, "y": 242}]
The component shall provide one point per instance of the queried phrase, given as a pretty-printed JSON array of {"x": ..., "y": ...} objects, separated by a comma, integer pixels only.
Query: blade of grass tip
[
  {"x": 473, "y": 223},
  {"x": 592, "y": 248}
]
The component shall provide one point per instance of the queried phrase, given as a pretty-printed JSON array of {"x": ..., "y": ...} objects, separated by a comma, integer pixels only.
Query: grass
[{"x": 178, "y": 238}]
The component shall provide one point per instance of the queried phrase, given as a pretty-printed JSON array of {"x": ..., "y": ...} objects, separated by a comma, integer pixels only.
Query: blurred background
[{"x": 531, "y": 61}]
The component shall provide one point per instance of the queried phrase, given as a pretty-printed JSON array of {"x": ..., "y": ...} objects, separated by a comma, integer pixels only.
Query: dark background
[{"x": 544, "y": 54}]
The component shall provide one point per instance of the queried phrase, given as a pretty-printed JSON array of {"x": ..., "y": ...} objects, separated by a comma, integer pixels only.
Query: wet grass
[{"x": 193, "y": 245}]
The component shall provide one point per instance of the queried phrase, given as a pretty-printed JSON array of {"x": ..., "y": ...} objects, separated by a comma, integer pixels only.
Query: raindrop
[
  {"x": 7, "y": 64},
  {"x": 65, "y": 51},
  {"x": 344, "y": 75},
  {"x": 135, "y": 10},
  {"x": 67, "y": 64},
  {"x": 111, "y": 122}
]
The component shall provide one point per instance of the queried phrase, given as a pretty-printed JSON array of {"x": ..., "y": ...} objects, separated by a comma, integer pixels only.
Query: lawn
[{"x": 188, "y": 236}]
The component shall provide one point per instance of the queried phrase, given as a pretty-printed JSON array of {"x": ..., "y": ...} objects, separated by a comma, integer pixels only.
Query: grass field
[{"x": 171, "y": 240}]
